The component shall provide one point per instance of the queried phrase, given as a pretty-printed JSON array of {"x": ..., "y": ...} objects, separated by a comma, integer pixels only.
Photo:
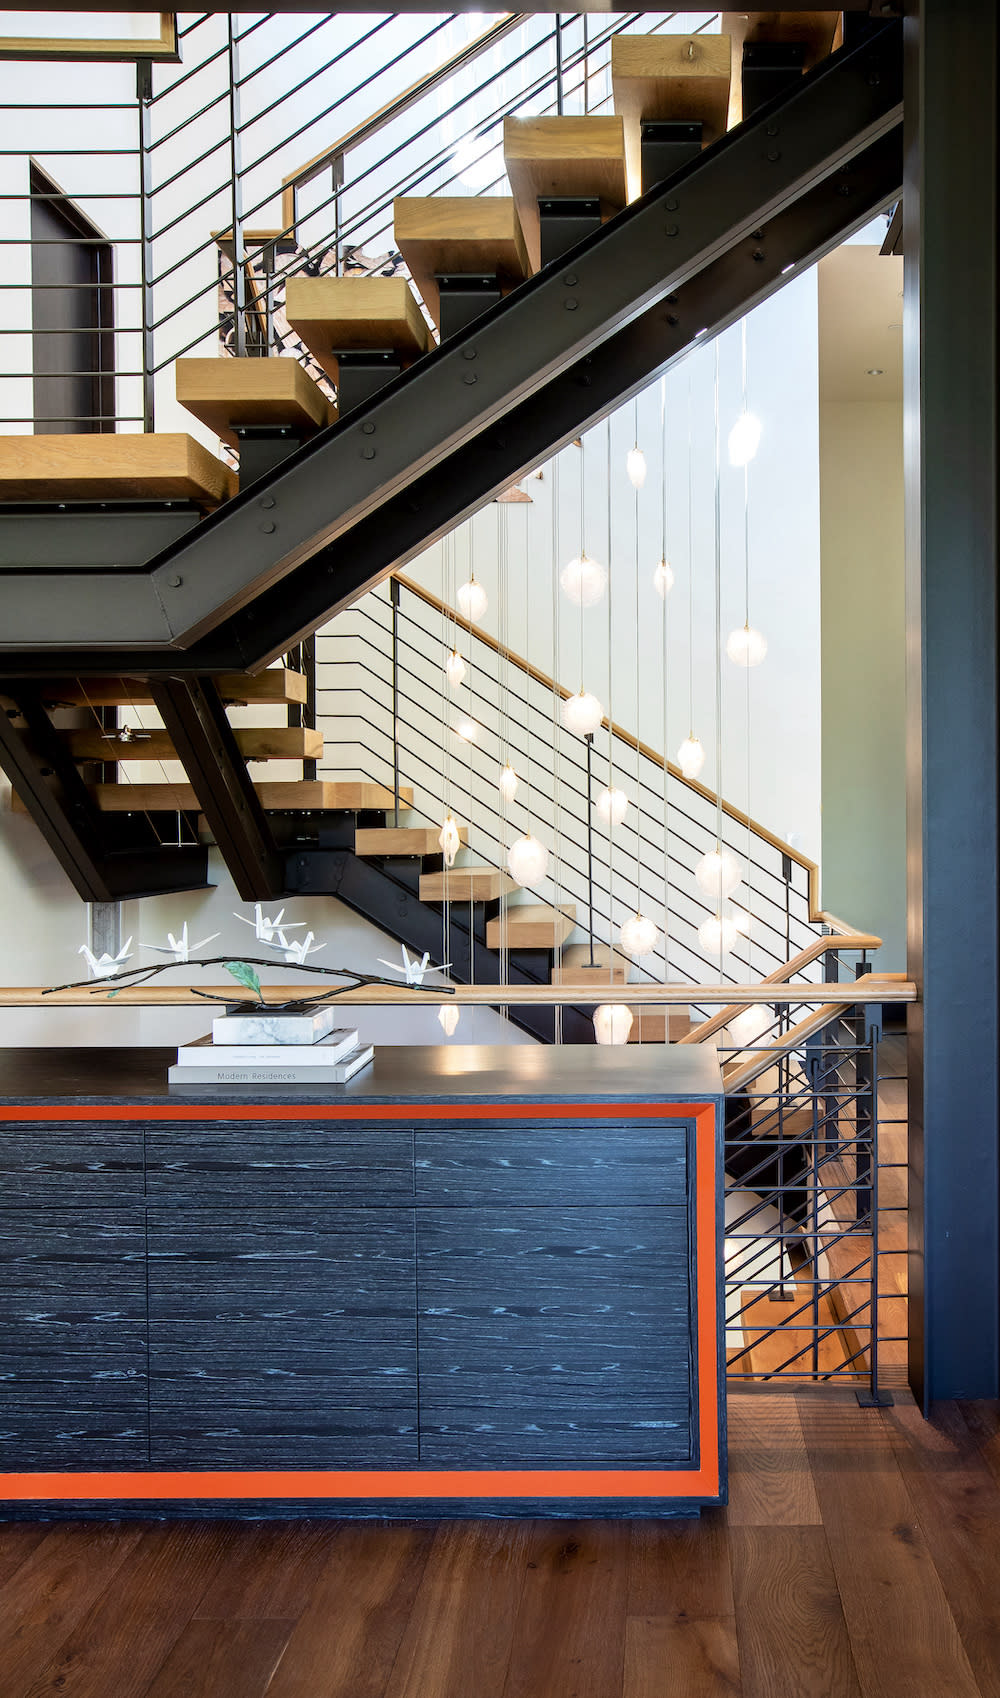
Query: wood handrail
[
  {"x": 392, "y": 109},
  {"x": 765, "y": 1055},
  {"x": 156, "y": 994},
  {"x": 781, "y": 975},
  {"x": 816, "y": 915}
]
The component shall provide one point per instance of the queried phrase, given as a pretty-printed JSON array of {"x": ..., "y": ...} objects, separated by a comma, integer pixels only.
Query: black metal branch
[{"x": 136, "y": 976}]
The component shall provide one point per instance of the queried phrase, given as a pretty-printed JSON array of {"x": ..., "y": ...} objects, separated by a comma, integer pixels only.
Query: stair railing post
[
  {"x": 337, "y": 172},
  {"x": 236, "y": 196},
  {"x": 559, "y": 64},
  {"x": 394, "y": 602},
  {"x": 144, "y": 96},
  {"x": 589, "y": 739}
]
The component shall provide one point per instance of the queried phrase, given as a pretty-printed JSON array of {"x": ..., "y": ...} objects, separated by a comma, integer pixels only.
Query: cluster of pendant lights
[{"x": 584, "y": 582}]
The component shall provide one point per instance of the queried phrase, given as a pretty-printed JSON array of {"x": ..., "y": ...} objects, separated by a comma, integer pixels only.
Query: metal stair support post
[{"x": 195, "y": 718}]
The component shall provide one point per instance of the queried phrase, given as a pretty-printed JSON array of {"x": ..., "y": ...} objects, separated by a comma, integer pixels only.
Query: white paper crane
[
  {"x": 267, "y": 930},
  {"x": 299, "y": 948},
  {"x": 413, "y": 970},
  {"x": 179, "y": 947},
  {"x": 106, "y": 966}
]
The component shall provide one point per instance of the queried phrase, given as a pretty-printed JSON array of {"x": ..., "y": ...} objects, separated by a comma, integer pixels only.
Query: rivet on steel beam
[
  {"x": 469, "y": 354},
  {"x": 268, "y": 527},
  {"x": 671, "y": 205},
  {"x": 571, "y": 280},
  {"x": 367, "y": 453},
  {"x": 267, "y": 501},
  {"x": 671, "y": 230},
  {"x": 774, "y": 154},
  {"x": 571, "y": 305},
  {"x": 471, "y": 377},
  {"x": 368, "y": 428},
  {"x": 175, "y": 582}
]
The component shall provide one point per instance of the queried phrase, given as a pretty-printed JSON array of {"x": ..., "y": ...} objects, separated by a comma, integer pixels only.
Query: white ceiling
[{"x": 860, "y": 325}]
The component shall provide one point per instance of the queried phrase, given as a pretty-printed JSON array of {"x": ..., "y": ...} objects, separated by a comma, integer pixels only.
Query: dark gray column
[{"x": 950, "y": 219}]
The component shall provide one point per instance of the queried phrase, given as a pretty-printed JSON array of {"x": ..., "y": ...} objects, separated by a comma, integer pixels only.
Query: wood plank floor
[{"x": 859, "y": 1557}]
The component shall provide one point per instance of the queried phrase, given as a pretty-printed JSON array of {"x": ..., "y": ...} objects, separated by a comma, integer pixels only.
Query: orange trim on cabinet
[{"x": 232, "y": 1485}]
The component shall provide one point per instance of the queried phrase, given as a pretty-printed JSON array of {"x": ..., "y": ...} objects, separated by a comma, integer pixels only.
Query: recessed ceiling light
[{"x": 875, "y": 371}]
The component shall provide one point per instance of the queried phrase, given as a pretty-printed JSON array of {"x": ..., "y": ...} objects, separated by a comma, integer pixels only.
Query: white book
[
  {"x": 244, "y": 1024},
  {"x": 205, "y": 1053},
  {"x": 278, "y": 1073}
]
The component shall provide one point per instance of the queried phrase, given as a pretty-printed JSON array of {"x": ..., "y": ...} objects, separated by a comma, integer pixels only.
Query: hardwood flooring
[{"x": 859, "y": 1558}]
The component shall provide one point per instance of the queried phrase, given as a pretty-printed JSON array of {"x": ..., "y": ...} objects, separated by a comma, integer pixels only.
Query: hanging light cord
[
  {"x": 690, "y": 519},
  {"x": 663, "y": 661},
  {"x": 718, "y": 643},
  {"x": 746, "y": 618}
]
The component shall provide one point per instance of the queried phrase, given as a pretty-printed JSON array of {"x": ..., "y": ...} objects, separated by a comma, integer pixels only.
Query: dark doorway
[{"x": 72, "y": 306}]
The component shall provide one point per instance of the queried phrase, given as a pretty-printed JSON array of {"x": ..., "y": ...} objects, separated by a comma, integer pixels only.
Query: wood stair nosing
[
  {"x": 459, "y": 236},
  {"x": 225, "y": 393},
  {"x": 256, "y": 743},
  {"x": 297, "y": 796},
  {"x": 155, "y": 466},
  {"x": 563, "y": 157},
  {"x": 531, "y": 925},
  {"x": 415, "y": 840},
  {"x": 465, "y": 884},
  {"x": 329, "y": 314},
  {"x": 675, "y": 78}
]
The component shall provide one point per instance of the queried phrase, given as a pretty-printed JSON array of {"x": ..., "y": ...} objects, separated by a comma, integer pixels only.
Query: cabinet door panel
[
  {"x": 85, "y": 1164},
  {"x": 552, "y": 1162},
  {"x": 267, "y": 1165},
  {"x": 557, "y": 1336},
  {"x": 72, "y": 1339},
  {"x": 282, "y": 1343}
]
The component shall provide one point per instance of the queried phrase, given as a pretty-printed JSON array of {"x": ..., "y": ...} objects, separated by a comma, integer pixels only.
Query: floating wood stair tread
[
  {"x": 224, "y": 393},
  {"x": 168, "y": 467},
  {"x": 460, "y": 235},
  {"x": 308, "y": 796},
  {"x": 401, "y": 839},
  {"x": 256, "y": 743},
  {"x": 532, "y": 925},
  {"x": 329, "y": 313},
  {"x": 278, "y": 684},
  {"x": 681, "y": 78},
  {"x": 610, "y": 967},
  {"x": 563, "y": 157},
  {"x": 465, "y": 884},
  {"x": 817, "y": 29},
  {"x": 658, "y": 1025}
]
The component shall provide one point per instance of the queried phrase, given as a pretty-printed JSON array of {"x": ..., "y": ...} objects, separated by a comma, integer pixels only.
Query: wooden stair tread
[
  {"x": 462, "y": 235},
  {"x": 329, "y": 313},
  {"x": 658, "y": 1025},
  {"x": 401, "y": 839},
  {"x": 683, "y": 78},
  {"x": 563, "y": 156},
  {"x": 226, "y": 392},
  {"x": 155, "y": 467},
  {"x": 256, "y": 743},
  {"x": 278, "y": 684},
  {"x": 465, "y": 884},
  {"x": 610, "y": 966},
  {"x": 817, "y": 28},
  {"x": 532, "y": 925},
  {"x": 303, "y": 795}
]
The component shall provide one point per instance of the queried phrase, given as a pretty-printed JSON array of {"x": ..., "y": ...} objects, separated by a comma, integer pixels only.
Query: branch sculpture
[{"x": 141, "y": 975}]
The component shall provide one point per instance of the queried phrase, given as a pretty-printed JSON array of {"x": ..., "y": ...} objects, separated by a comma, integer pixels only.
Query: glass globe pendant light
[
  {"x": 448, "y": 1018},
  {"x": 467, "y": 730},
  {"x": 472, "y": 599},
  {"x": 751, "y": 1025},
  {"x": 583, "y": 581},
  {"x": 508, "y": 783},
  {"x": 746, "y": 647},
  {"x": 454, "y": 668},
  {"x": 527, "y": 861},
  {"x": 663, "y": 579},
  {"x": 744, "y": 439},
  {"x": 691, "y": 756},
  {"x": 638, "y": 936},
  {"x": 612, "y": 805},
  {"x": 717, "y": 935},
  {"x": 612, "y": 1023},
  {"x": 582, "y": 714},
  {"x": 718, "y": 874},
  {"x": 449, "y": 840},
  {"x": 635, "y": 465}
]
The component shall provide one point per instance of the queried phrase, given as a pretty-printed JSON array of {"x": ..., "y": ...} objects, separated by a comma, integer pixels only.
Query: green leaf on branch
[{"x": 246, "y": 975}]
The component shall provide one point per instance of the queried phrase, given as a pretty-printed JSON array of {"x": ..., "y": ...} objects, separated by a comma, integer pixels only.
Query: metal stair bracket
[
  {"x": 192, "y": 711},
  {"x": 465, "y": 421},
  {"x": 105, "y": 860}
]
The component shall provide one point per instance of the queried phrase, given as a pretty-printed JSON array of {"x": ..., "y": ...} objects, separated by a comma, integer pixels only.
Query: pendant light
[
  {"x": 751, "y": 1025},
  {"x": 454, "y": 668},
  {"x": 638, "y": 936},
  {"x": 583, "y": 581},
  {"x": 449, "y": 840},
  {"x": 718, "y": 935},
  {"x": 527, "y": 861},
  {"x": 635, "y": 465},
  {"x": 746, "y": 647},
  {"x": 718, "y": 874},
  {"x": 472, "y": 599},
  {"x": 448, "y": 1018},
  {"x": 663, "y": 578},
  {"x": 508, "y": 783},
  {"x": 467, "y": 730},
  {"x": 691, "y": 756},
  {"x": 612, "y": 1023},
  {"x": 612, "y": 805},
  {"x": 744, "y": 438},
  {"x": 582, "y": 714}
]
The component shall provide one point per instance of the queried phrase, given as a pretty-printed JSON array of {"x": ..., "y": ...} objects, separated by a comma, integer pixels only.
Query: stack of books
[{"x": 247, "y": 1047}]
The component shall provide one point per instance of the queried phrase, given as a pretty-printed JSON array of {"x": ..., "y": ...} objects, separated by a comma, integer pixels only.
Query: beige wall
[{"x": 864, "y": 781}]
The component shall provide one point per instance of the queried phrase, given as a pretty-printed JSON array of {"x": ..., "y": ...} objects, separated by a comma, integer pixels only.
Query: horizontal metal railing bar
[
  {"x": 185, "y": 77},
  {"x": 290, "y": 46}
]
